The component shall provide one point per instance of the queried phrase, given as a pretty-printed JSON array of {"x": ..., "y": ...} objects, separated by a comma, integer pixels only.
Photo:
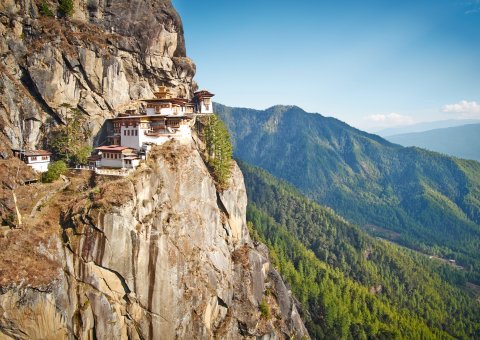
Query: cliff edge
[{"x": 158, "y": 255}]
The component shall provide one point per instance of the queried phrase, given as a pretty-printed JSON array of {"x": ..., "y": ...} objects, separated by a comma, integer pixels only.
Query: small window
[
  {"x": 124, "y": 132},
  {"x": 34, "y": 158},
  {"x": 136, "y": 132}
]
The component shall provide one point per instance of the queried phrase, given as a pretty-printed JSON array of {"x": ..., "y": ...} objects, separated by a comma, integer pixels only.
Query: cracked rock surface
[
  {"x": 159, "y": 255},
  {"x": 105, "y": 58}
]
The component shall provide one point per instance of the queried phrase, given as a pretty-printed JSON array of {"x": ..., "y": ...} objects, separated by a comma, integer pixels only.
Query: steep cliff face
[
  {"x": 106, "y": 56},
  {"x": 159, "y": 255}
]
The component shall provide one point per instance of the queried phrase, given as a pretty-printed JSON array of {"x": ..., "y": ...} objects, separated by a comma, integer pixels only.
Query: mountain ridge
[
  {"x": 460, "y": 141},
  {"x": 430, "y": 200},
  {"x": 425, "y": 126}
]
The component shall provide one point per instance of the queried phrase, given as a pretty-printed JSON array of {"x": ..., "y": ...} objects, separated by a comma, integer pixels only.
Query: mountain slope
[
  {"x": 460, "y": 141},
  {"x": 425, "y": 126},
  {"x": 354, "y": 284},
  {"x": 418, "y": 198}
]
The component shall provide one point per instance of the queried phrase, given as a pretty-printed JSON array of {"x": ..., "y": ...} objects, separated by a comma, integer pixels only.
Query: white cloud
[
  {"x": 390, "y": 119},
  {"x": 473, "y": 6},
  {"x": 463, "y": 109},
  {"x": 473, "y": 11}
]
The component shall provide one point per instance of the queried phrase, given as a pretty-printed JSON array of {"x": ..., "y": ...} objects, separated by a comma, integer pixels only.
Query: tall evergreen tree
[{"x": 219, "y": 149}]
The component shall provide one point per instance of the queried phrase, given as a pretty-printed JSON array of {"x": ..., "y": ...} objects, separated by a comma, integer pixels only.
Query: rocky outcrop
[
  {"x": 106, "y": 56},
  {"x": 159, "y": 255}
]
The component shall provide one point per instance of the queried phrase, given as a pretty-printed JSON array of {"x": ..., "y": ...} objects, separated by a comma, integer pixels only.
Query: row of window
[
  {"x": 44, "y": 158},
  {"x": 112, "y": 155},
  {"x": 173, "y": 122},
  {"x": 130, "y": 132},
  {"x": 126, "y": 123},
  {"x": 158, "y": 106}
]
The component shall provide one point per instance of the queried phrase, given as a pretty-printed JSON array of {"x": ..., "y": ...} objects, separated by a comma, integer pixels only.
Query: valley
[{"x": 304, "y": 237}]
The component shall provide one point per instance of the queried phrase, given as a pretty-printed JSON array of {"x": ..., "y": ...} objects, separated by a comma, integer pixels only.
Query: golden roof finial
[{"x": 163, "y": 93}]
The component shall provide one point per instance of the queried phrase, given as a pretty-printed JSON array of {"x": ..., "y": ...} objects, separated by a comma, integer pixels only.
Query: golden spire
[{"x": 163, "y": 93}]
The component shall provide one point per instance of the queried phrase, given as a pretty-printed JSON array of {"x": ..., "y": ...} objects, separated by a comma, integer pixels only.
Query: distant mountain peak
[{"x": 283, "y": 108}]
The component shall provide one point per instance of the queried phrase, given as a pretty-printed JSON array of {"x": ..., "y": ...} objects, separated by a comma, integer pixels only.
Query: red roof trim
[
  {"x": 113, "y": 148},
  {"x": 29, "y": 153}
]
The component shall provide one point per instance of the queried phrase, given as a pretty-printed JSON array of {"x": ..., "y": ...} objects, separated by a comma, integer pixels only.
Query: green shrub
[
  {"x": 66, "y": 7},
  {"x": 253, "y": 233},
  {"x": 45, "y": 9},
  {"x": 82, "y": 154},
  {"x": 70, "y": 142},
  {"x": 55, "y": 169},
  {"x": 219, "y": 150},
  {"x": 264, "y": 309}
]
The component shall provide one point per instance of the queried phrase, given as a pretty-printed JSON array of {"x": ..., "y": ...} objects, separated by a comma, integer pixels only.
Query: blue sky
[{"x": 373, "y": 64}]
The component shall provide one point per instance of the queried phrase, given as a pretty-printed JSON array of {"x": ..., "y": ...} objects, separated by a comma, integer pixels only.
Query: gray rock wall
[
  {"x": 104, "y": 58},
  {"x": 167, "y": 256}
]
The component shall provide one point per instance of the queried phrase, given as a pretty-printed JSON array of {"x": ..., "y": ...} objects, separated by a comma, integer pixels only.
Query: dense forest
[
  {"x": 420, "y": 199},
  {"x": 350, "y": 284}
]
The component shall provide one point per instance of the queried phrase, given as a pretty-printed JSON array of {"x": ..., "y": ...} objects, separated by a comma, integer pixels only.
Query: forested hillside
[
  {"x": 351, "y": 284},
  {"x": 421, "y": 199}
]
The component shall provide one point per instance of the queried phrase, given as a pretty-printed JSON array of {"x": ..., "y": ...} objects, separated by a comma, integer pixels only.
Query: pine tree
[{"x": 219, "y": 150}]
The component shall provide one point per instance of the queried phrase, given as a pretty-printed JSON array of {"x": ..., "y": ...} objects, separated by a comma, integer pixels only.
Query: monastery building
[{"x": 162, "y": 118}]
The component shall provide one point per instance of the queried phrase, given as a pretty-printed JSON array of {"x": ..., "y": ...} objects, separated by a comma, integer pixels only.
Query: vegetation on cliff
[
  {"x": 55, "y": 170},
  {"x": 219, "y": 149},
  {"x": 66, "y": 7},
  {"x": 44, "y": 9},
  {"x": 70, "y": 142},
  {"x": 350, "y": 283}
]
